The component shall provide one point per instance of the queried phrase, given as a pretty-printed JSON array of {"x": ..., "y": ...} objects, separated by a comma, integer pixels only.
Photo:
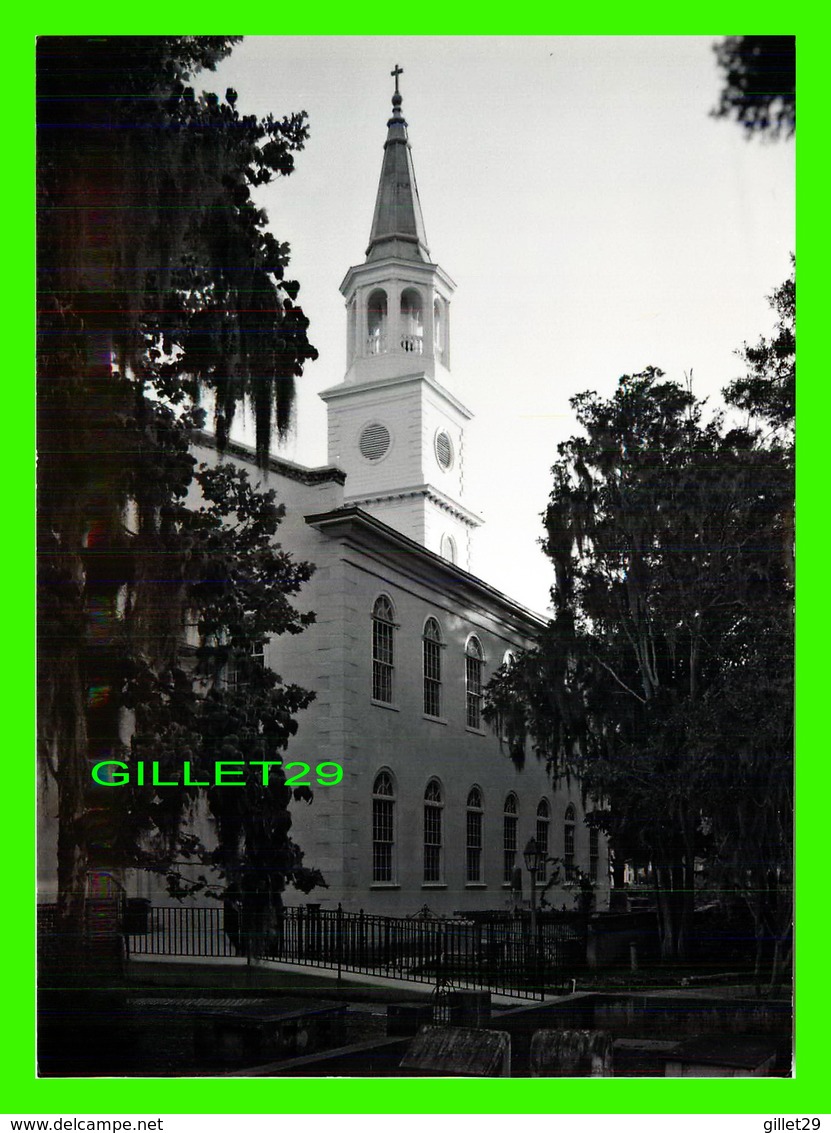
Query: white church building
[{"x": 431, "y": 810}]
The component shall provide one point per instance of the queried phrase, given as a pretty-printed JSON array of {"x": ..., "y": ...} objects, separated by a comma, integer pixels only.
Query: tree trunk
[
  {"x": 674, "y": 911},
  {"x": 618, "y": 873},
  {"x": 666, "y": 912}
]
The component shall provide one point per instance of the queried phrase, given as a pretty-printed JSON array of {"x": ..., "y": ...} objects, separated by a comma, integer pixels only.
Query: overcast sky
[{"x": 595, "y": 220}]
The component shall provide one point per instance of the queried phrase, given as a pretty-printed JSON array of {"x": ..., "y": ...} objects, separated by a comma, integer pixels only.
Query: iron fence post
[
  {"x": 540, "y": 960},
  {"x": 339, "y": 940},
  {"x": 439, "y": 943}
]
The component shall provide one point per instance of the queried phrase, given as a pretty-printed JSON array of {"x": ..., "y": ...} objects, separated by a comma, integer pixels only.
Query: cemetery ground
[{"x": 168, "y": 1020}]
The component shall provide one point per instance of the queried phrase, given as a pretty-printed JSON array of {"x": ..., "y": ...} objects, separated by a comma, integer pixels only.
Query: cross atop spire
[{"x": 398, "y": 71}]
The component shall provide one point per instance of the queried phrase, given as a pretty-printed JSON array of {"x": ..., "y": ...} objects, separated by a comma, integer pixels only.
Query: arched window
[
  {"x": 543, "y": 822},
  {"x": 510, "y": 821},
  {"x": 473, "y": 862},
  {"x": 383, "y": 656},
  {"x": 474, "y": 659},
  {"x": 594, "y": 853},
  {"x": 568, "y": 843},
  {"x": 433, "y": 804},
  {"x": 448, "y": 548},
  {"x": 431, "y": 644},
  {"x": 383, "y": 828},
  {"x": 376, "y": 323},
  {"x": 412, "y": 322}
]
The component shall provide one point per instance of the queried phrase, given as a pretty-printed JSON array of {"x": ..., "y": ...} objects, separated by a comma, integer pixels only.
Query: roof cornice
[
  {"x": 427, "y": 491},
  {"x": 376, "y": 271},
  {"x": 348, "y": 389}
]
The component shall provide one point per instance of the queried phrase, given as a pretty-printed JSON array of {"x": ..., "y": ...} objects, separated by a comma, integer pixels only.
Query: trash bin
[{"x": 137, "y": 916}]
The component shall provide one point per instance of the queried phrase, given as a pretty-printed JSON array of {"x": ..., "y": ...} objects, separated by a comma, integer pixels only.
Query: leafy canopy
[
  {"x": 159, "y": 280},
  {"x": 759, "y": 74}
]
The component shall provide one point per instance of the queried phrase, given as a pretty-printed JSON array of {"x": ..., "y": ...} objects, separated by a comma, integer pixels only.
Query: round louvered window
[
  {"x": 444, "y": 450},
  {"x": 374, "y": 442}
]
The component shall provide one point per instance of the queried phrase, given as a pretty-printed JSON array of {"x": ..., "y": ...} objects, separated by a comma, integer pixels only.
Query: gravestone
[
  {"x": 571, "y": 1054},
  {"x": 407, "y": 1018},
  {"x": 248, "y": 1029},
  {"x": 458, "y": 1052},
  {"x": 723, "y": 1056},
  {"x": 469, "y": 1008}
]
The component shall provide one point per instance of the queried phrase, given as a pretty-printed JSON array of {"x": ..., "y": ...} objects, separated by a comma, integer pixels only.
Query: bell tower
[{"x": 394, "y": 427}]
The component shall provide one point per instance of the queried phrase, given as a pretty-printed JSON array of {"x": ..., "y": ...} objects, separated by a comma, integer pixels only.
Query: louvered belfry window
[
  {"x": 374, "y": 441},
  {"x": 444, "y": 450}
]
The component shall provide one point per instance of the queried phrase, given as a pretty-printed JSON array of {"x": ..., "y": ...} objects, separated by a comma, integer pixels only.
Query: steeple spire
[
  {"x": 394, "y": 429},
  {"x": 397, "y": 223}
]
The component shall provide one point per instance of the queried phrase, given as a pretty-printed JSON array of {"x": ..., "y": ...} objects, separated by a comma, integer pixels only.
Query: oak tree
[
  {"x": 668, "y": 534},
  {"x": 159, "y": 280}
]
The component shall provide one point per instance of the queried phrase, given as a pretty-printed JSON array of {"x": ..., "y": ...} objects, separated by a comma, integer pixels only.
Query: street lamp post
[{"x": 534, "y": 858}]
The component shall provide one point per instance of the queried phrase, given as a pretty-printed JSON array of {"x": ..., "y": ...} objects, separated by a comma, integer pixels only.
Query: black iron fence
[
  {"x": 507, "y": 955},
  {"x": 504, "y": 956},
  {"x": 183, "y": 930}
]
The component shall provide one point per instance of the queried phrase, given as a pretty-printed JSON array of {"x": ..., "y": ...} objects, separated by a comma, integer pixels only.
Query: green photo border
[{"x": 807, "y": 1092}]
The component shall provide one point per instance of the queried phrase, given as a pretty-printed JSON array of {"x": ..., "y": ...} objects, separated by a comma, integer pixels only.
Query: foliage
[
  {"x": 768, "y": 390},
  {"x": 759, "y": 73},
  {"x": 669, "y": 540},
  {"x": 218, "y": 701},
  {"x": 158, "y": 279}
]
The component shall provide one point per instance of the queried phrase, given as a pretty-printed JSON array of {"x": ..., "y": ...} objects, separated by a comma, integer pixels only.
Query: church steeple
[
  {"x": 397, "y": 223},
  {"x": 394, "y": 427}
]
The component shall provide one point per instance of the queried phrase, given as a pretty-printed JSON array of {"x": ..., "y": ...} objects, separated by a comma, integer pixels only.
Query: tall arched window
[
  {"x": 473, "y": 857},
  {"x": 431, "y": 644},
  {"x": 594, "y": 853},
  {"x": 474, "y": 659},
  {"x": 383, "y": 828},
  {"x": 376, "y": 323},
  {"x": 412, "y": 322},
  {"x": 433, "y": 804},
  {"x": 568, "y": 843},
  {"x": 543, "y": 822},
  {"x": 510, "y": 821},
  {"x": 383, "y": 655}
]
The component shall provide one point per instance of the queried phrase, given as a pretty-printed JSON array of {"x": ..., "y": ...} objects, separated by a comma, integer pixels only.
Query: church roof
[
  {"x": 452, "y": 580},
  {"x": 397, "y": 223},
  {"x": 288, "y": 468}
]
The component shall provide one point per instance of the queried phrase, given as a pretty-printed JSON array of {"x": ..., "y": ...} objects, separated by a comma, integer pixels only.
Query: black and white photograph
[{"x": 415, "y": 517}]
